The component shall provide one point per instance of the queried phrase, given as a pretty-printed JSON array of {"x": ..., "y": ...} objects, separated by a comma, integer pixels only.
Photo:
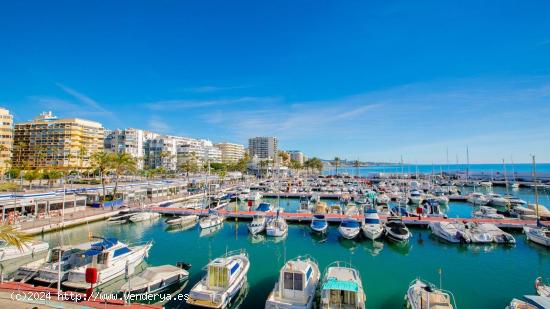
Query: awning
[{"x": 334, "y": 284}]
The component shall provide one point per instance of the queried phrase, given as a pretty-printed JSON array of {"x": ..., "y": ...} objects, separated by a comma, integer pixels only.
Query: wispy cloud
[
  {"x": 157, "y": 124},
  {"x": 543, "y": 42},
  {"x": 211, "y": 88},
  {"x": 168, "y": 105}
]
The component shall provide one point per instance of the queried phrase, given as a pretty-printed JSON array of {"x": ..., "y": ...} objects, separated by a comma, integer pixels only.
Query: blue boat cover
[
  {"x": 335, "y": 284},
  {"x": 263, "y": 207},
  {"x": 319, "y": 224},
  {"x": 319, "y": 217}
]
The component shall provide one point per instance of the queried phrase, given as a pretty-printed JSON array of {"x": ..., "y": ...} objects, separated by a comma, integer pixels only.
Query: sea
[{"x": 479, "y": 276}]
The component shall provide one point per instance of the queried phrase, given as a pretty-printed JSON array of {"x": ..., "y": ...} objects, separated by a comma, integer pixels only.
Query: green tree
[
  {"x": 356, "y": 164},
  {"x": 101, "y": 162},
  {"x": 52, "y": 176},
  {"x": 336, "y": 163},
  {"x": 31, "y": 176},
  {"x": 121, "y": 163},
  {"x": 190, "y": 164}
]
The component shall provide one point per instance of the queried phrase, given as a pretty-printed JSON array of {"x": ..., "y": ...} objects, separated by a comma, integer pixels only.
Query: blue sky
[{"x": 359, "y": 79}]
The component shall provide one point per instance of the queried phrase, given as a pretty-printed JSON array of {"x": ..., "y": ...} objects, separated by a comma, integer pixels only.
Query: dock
[{"x": 336, "y": 218}]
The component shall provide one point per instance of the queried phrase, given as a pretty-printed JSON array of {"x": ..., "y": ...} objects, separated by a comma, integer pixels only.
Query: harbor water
[{"x": 479, "y": 276}]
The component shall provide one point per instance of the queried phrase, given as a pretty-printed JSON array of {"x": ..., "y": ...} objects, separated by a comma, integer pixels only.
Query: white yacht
[
  {"x": 254, "y": 196},
  {"x": 454, "y": 232},
  {"x": 478, "y": 199},
  {"x": 336, "y": 209},
  {"x": 486, "y": 212},
  {"x": 297, "y": 285},
  {"x": 496, "y": 199},
  {"x": 144, "y": 216},
  {"x": 154, "y": 280},
  {"x": 539, "y": 235},
  {"x": 258, "y": 224},
  {"x": 9, "y": 252},
  {"x": 397, "y": 230},
  {"x": 182, "y": 220},
  {"x": 424, "y": 295},
  {"x": 372, "y": 227},
  {"x": 543, "y": 289},
  {"x": 415, "y": 197},
  {"x": 349, "y": 228},
  {"x": 342, "y": 287},
  {"x": 276, "y": 226},
  {"x": 319, "y": 224},
  {"x": 432, "y": 208},
  {"x": 383, "y": 210},
  {"x": 211, "y": 220},
  {"x": 111, "y": 258},
  {"x": 224, "y": 279},
  {"x": 71, "y": 257},
  {"x": 488, "y": 232}
]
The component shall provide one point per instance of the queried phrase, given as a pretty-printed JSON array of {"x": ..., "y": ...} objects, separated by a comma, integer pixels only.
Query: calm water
[
  {"x": 437, "y": 168},
  {"x": 479, "y": 276}
]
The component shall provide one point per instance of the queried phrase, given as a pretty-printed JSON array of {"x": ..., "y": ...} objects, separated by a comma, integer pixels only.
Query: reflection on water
[
  {"x": 373, "y": 247},
  {"x": 374, "y": 259},
  {"x": 210, "y": 231}
]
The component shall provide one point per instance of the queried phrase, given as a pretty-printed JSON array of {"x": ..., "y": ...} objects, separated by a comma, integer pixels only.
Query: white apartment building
[
  {"x": 131, "y": 141},
  {"x": 263, "y": 148},
  {"x": 297, "y": 155}
]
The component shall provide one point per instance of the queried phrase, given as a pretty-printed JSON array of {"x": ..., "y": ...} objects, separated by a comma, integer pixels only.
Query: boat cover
[{"x": 335, "y": 284}]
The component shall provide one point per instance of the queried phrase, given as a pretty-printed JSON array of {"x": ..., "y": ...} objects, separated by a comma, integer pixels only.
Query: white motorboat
[
  {"x": 71, "y": 258},
  {"x": 486, "y": 212},
  {"x": 539, "y": 235},
  {"x": 441, "y": 198},
  {"x": 297, "y": 285},
  {"x": 487, "y": 233},
  {"x": 211, "y": 220},
  {"x": 372, "y": 227},
  {"x": 424, "y": 295},
  {"x": 224, "y": 279},
  {"x": 351, "y": 210},
  {"x": 336, "y": 209},
  {"x": 431, "y": 208},
  {"x": 10, "y": 252},
  {"x": 541, "y": 211},
  {"x": 121, "y": 218},
  {"x": 415, "y": 197},
  {"x": 349, "y": 228},
  {"x": 543, "y": 289},
  {"x": 530, "y": 302},
  {"x": 454, "y": 232},
  {"x": 523, "y": 213},
  {"x": 478, "y": 199},
  {"x": 321, "y": 208},
  {"x": 498, "y": 200},
  {"x": 342, "y": 287},
  {"x": 383, "y": 210},
  {"x": 254, "y": 196},
  {"x": 182, "y": 220},
  {"x": 319, "y": 224},
  {"x": 144, "y": 216},
  {"x": 276, "y": 226},
  {"x": 258, "y": 224},
  {"x": 111, "y": 258},
  {"x": 382, "y": 198},
  {"x": 396, "y": 230},
  {"x": 486, "y": 184},
  {"x": 154, "y": 280}
]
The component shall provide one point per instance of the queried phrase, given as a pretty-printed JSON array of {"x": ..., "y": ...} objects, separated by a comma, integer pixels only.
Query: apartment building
[
  {"x": 48, "y": 141},
  {"x": 6, "y": 138}
]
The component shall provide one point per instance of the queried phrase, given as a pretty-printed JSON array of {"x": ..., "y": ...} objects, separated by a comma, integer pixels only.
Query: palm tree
[
  {"x": 4, "y": 164},
  {"x": 122, "y": 163},
  {"x": 13, "y": 237},
  {"x": 336, "y": 163},
  {"x": 101, "y": 161},
  {"x": 31, "y": 176},
  {"x": 20, "y": 147},
  {"x": 190, "y": 164},
  {"x": 356, "y": 165}
]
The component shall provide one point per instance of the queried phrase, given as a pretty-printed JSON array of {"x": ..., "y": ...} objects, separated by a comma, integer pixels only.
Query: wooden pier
[{"x": 336, "y": 218}]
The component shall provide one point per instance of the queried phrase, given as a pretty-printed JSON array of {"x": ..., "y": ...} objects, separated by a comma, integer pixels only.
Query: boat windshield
[
  {"x": 293, "y": 281},
  {"x": 371, "y": 221},
  {"x": 350, "y": 224},
  {"x": 217, "y": 276}
]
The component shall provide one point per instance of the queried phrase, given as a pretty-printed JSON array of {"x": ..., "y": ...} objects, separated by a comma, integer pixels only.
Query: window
[{"x": 293, "y": 281}]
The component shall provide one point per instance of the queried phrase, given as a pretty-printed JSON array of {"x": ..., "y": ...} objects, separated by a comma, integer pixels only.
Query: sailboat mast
[
  {"x": 467, "y": 164},
  {"x": 536, "y": 188},
  {"x": 505, "y": 177}
]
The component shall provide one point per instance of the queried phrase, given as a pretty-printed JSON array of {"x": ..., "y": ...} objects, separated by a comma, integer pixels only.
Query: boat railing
[
  {"x": 304, "y": 257},
  {"x": 234, "y": 252},
  {"x": 433, "y": 287},
  {"x": 343, "y": 264}
]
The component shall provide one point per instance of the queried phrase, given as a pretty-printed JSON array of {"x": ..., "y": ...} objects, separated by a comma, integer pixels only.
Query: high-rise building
[
  {"x": 48, "y": 141},
  {"x": 6, "y": 138},
  {"x": 263, "y": 148},
  {"x": 231, "y": 153},
  {"x": 296, "y": 155},
  {"x": 130, "y": 141},
  {"x": 161, "y": 152}
]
